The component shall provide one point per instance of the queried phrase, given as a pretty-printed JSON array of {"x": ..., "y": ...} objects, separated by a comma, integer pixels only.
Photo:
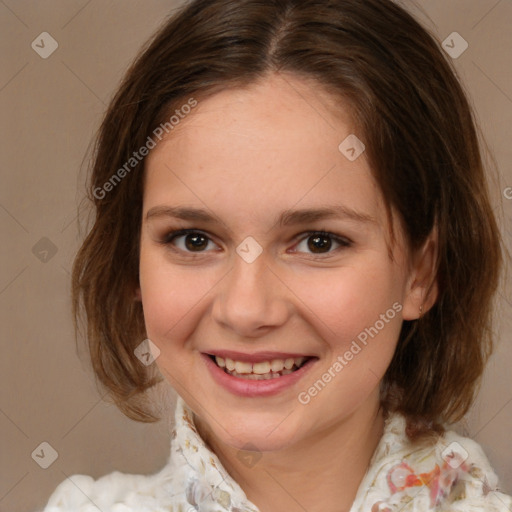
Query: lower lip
[{"x": 255, "y": 388}]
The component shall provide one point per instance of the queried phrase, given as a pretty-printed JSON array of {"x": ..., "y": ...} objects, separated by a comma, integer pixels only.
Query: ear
[
  {"x": 422, "y": 288},
  {"x": 137, "y": 295}
]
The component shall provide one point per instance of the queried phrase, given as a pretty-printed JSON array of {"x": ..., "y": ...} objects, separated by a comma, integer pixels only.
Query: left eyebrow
[
  {"x": 305, "y": 216},
  {"x": 285, "y": 218}
]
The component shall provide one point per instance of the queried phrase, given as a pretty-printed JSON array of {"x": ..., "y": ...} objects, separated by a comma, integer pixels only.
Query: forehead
[{"x": 249, "y": 153}]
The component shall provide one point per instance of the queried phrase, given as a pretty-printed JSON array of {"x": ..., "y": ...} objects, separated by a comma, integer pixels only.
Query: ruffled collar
[
  {"x": 204, "y": 482},
  {"x": 400, "y": 474}
]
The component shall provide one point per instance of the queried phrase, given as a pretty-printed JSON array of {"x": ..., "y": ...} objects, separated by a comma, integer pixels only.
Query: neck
[{"x": 319, "y": 473}]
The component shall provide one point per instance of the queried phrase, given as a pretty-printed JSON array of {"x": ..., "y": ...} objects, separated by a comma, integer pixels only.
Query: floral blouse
[{"x": 452, "y": 475}]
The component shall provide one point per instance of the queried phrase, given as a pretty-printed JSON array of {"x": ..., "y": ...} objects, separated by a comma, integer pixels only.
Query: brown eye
[
  {"x": 319, "y": 243},
  {"x": 322, "y": 243},
  {"x": 195, "y": 242},
  {"x": 188, "y": 241}
]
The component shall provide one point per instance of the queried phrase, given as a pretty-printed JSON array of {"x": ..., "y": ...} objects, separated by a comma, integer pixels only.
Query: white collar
[{"x": 198, "y": 481}]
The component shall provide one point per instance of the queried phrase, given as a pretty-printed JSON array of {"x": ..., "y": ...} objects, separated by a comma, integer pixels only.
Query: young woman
[{"x": 293, "y": 229}]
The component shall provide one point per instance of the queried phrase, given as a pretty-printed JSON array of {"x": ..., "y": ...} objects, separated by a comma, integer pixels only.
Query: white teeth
[
  {"x": 241, "y": 367},
  {"x": 260, "y": 368},
  {"x": 288, "y": 363},
  {"x": 254, "y": 376},
  {"x": 277, "y": 365}
]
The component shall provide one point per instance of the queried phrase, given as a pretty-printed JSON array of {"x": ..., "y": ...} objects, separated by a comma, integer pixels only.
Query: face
[{"x": 304, "y": 308}]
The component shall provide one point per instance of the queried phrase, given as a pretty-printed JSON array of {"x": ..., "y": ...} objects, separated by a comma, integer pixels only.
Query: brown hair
[{"x": 421, "y": 143}]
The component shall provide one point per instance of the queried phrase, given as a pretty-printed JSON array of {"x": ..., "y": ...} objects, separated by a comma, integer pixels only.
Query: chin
[{"x": 273, "y": 433}]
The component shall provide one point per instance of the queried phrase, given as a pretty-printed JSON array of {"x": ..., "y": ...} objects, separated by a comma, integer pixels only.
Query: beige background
[{"x": 50, "y": 110}]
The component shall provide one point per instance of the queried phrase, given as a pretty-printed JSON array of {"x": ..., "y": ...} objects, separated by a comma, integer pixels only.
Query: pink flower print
[
  {"x": 440, "y": 481},
  {"x": 401, "y": 476}
]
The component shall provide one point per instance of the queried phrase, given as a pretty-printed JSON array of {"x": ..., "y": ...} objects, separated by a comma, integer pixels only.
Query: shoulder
[
  {"x": 451, "y": 474},
  {"x": 114, "y": 492},
  {"x": 475, "y": 484}
]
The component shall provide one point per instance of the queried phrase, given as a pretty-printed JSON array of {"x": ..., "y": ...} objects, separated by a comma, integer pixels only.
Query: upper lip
[{"x": 255, "y": 357}]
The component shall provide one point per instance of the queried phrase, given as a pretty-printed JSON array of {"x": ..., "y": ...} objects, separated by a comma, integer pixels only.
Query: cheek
[
  {"x": 163, "y": 299},
  {"x": 359, "y": 318},
  {"x": 172, "y": 296},
  {"x": 348, "y": 301}
]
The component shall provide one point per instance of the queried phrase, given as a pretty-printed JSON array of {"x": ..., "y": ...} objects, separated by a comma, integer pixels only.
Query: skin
[{"x": 246, "y": 155}]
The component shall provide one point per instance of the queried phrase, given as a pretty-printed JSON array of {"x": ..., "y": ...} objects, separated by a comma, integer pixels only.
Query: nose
[{"x": 251, "y": 299}]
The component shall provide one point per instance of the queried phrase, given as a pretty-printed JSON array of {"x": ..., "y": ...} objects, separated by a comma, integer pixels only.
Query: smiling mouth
[{"x": 264, "y": 370}]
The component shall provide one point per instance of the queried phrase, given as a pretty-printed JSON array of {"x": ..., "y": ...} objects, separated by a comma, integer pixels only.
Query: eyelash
[{"x": 342, "y": 241}]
